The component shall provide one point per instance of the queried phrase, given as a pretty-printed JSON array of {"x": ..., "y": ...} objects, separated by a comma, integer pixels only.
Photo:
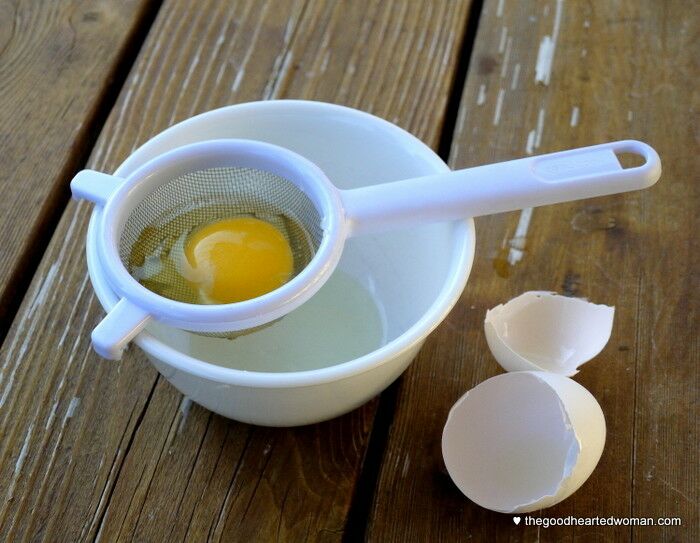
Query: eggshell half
[
  {"x": 548, "y": 332},
  {"x": 523, "y": 441}
]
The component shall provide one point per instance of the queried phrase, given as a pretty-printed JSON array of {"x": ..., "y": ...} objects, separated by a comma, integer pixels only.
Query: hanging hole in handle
[{"x": 628, "y": 159}]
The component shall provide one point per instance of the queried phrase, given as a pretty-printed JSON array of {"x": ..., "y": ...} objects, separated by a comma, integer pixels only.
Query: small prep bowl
[{"x": 414, "y": 276}]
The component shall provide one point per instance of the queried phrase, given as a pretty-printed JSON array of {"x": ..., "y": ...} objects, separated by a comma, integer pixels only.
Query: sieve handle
[
  {"x": 94, "y": 186},
  {"x": 506, "y": 186},
  {"x": 118, "y": 328}
]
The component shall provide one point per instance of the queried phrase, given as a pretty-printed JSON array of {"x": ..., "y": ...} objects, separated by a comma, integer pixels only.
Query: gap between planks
[
  {"x": 21, "y": 277},
  {"x": 363, "y": 497}
]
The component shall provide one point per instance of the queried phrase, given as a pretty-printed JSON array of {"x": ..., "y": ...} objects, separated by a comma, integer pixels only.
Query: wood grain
[
  {"x": 58, "y": 66},
  {"x": 113, "y": 447},
  {"x": 621, "y": 70}
]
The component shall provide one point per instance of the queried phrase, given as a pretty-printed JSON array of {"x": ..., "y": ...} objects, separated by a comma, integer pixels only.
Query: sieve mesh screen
[{"x": 181, "y": 205}]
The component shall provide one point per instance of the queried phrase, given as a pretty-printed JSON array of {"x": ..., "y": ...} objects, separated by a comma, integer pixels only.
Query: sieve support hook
[
  {"x": 118, "y": 328},
  {"x": 96, "y": 187}
]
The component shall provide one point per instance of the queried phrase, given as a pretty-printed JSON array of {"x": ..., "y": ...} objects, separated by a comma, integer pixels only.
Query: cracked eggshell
[
  {"x": 548, "y": 332},
  {"x": 523, "y": 441}
]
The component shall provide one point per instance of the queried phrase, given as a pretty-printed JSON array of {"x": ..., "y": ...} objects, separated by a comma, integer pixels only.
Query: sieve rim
[{"x": 300, "y": 171}]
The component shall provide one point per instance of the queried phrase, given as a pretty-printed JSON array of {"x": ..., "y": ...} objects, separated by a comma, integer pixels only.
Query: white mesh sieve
[{"x": 181, "y": 205}]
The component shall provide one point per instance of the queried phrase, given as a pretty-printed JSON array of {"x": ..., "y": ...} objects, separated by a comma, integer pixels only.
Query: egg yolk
[{"x": 238, "y": 259}]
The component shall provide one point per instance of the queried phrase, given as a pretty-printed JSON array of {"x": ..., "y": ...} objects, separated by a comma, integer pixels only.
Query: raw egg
[{"x": 236, "y": 259}]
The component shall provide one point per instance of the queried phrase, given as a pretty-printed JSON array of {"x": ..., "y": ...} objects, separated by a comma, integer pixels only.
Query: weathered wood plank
[
  {"x": 111, "y": 446},
  {"x": 623, "y": 69},
  {"x": 58, "y": 64}
]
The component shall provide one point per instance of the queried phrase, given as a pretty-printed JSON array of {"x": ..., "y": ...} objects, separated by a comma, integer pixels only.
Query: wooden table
[{"x": 92, "y": 450}]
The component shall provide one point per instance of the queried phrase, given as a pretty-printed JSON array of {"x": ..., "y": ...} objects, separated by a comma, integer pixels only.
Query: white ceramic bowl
[{"x": 414, "y": 277}]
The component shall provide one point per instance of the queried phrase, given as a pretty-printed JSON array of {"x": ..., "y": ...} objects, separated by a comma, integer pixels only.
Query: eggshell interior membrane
[
  {"x": 523, "y": 441},
  {"x": 545, "y": 331}
]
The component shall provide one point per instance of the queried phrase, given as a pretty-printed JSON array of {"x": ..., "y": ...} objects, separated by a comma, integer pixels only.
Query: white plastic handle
[
  {"x": 94, "y": 186},
  {"x": 118, "y": 328},
  {"x": 506, "y": 186}
]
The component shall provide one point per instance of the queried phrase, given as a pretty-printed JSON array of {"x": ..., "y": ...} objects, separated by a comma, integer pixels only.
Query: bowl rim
[{"x": 460, "y": 266}]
